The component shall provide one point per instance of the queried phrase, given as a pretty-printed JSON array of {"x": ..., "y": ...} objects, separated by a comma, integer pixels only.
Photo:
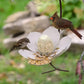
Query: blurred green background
[{"x": 15, "y": 70}]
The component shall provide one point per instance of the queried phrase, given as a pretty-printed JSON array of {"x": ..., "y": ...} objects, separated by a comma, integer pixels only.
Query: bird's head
[{"x": 55, "y": 16}]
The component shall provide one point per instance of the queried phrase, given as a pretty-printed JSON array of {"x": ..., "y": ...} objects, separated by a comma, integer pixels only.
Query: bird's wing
[{"x": 64, "y": 23}]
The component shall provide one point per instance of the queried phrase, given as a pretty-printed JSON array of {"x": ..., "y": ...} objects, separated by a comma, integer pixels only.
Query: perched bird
[
  {"x": 21, "y": 44},
  {"x": 63, "y": 24}
]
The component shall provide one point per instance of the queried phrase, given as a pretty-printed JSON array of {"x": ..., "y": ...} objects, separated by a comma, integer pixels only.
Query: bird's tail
[{"x": 77, "y": 33}]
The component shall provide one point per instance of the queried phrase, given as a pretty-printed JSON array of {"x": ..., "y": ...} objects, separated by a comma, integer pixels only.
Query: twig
[
  {"x": 54, "y": 69},
  {"x": 82, "y": 65}
]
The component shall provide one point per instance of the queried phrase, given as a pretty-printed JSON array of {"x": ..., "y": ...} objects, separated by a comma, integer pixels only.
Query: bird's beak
[{"x": 51, "y": 18}]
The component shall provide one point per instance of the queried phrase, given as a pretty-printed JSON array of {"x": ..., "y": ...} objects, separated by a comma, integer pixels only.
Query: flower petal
[
  {"x": 54, "y": 35},
  {"x": 64, "y": 44},
  {"x": 59, "y": 52},
  {"x": 26, "y": 53},
  {"x": 33, "y": 37},
  {"x": 32, "y": 47}
]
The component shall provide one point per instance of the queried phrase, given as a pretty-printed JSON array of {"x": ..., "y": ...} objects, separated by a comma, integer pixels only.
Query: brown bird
[
  {"x": 63, "y": 24},
  {"x": 21, "y": 44}
]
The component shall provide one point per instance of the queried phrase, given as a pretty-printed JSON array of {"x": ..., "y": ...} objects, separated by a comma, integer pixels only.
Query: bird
[
  {"x": 21, "y": 44},
  {"x": 60, "y": 23}
]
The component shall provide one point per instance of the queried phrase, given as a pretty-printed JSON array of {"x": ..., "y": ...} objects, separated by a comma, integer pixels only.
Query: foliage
[
  {"x": 72, "y": 9},
  {"x": 7, "y": 8}
]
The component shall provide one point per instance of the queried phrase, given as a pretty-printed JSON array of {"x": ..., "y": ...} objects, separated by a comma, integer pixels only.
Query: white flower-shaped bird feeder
[{"x": 43, "y": 47}]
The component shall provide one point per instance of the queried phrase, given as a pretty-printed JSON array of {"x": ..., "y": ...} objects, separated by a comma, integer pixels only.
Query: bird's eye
[{"x": 53, "y": 18}]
